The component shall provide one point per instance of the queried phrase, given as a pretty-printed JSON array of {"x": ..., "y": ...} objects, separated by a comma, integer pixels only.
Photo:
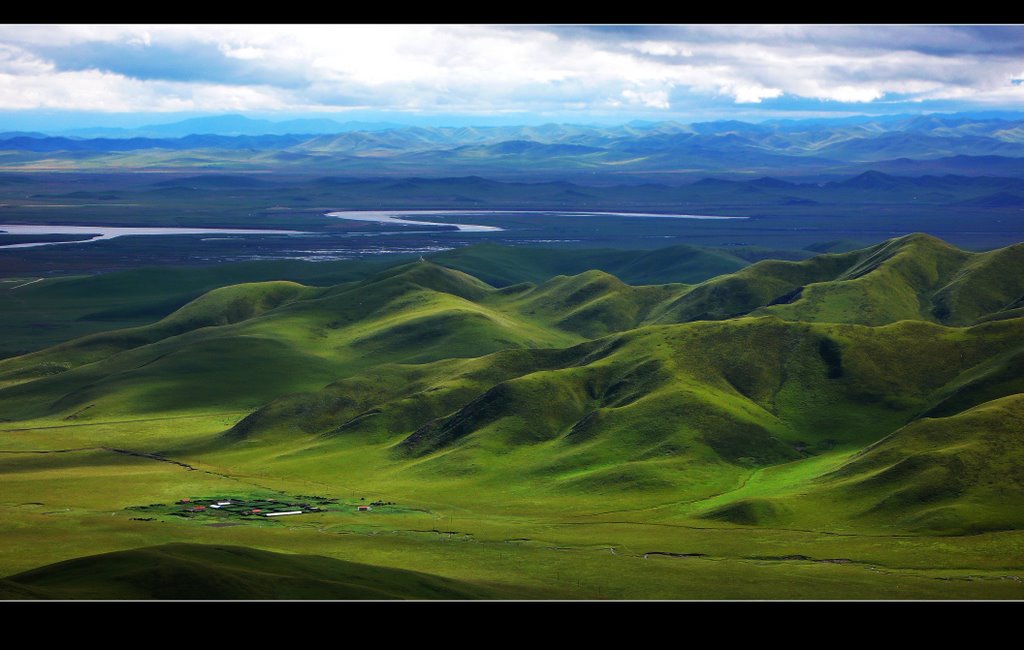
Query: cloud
[
  {"x": 750, "y": 93},
  {"x": 485, "y": 69},
  {"x": 654, "y": 99},
  {"x": 660, "y": 48}
]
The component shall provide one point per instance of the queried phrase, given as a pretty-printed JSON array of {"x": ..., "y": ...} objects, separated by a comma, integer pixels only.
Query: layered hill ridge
[
  {"x": 942, "y": 473},
  {"x": 503, "y": 265},
  {"x": 422, "y": 311},
  {"x": 593, "y": 303},
  {"x": 75, "y": 306},
  {"x": 220, "y": 307},
  {"x": 748, "y": 392},
  {"x": 414, "y": 313},
  {"x": 954, "y": 475},
  {"x": 850, "y": 363},
  {"x": 916, "y": 277}
]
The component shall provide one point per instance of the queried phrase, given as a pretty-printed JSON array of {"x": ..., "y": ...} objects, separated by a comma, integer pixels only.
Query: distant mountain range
[
  {"x": 242, "y": 125},
  {"x": 911, "y": 145}
]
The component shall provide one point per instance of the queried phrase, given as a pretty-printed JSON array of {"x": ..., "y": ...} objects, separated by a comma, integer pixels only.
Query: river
[
  {"x": 396, "y": 216},
  {"x": 110, "y": 232},
  {"x": 380, "y": 216}
]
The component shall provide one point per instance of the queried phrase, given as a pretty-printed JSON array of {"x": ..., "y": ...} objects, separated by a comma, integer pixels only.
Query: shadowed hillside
[
  {"x": 644, "y": 410},
  {"x": 916, "y": 277},
  {"x": 955, "y": 475},
  {"x": 203, "y": 572},
  {"x": 593, "y": 303},
  {"x": 962, "y": 473},
  {"x": 415, "y": 313}
]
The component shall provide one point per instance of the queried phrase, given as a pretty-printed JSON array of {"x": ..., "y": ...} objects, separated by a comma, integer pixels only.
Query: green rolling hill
[
  {"x": 54, "y": 310},
  {"x": 655, "y": 409},
  {"x": 916, "y": 277},
  {"x": 955, "y": 475},
  {"x": 205, "y": 572},
  {"x": 507, "y": 265},
  {"x": 959, "y": 473},
  {"x": 858, "y": 394}
]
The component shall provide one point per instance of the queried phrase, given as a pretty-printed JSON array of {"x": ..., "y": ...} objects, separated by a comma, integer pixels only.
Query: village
[{"x": 253, "y": 507}]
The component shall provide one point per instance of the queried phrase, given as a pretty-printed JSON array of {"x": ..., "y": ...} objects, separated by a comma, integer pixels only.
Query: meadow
[{"x": 843, "y": 425}]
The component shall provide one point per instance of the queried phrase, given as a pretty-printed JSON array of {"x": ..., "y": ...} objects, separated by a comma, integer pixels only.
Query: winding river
[
  {"x": 403, "y": 217},
  {"x": 397, "y": 216},
  {"x": 110, "y": 232}
]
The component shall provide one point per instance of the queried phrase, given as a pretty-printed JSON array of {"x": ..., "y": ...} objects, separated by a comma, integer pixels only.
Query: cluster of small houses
[
  {"x": 233, "y": 506},
  {"x": 271, "y": 507}
]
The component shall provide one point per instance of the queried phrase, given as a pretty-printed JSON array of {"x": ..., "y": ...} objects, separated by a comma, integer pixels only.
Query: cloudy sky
[{"x": 523, "y": 73}]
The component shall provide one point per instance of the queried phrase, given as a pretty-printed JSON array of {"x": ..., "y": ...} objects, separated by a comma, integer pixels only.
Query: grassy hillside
[
  {"x": 656, "y": 409},
  {"x": 219, "y": 307},
  {"x": 591, "y": 304},
  {"x": 963, "y": 473},
  {"x": 955, "y": 475},
  {"x": 231, "y": 348},
  {"x": 197, "y": 571},
  {"x": 239, "y": 346},
  {"x": 506, "y": 265},
  {"x": 916, "y": 277},
  {"x": 575, "y": 436},
  {"x": 987, "y": 285},
  {"x": 40, "y": 312}
]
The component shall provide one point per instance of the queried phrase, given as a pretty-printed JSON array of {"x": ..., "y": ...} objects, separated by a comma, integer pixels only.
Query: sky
[{"x": 130, "y": 75}]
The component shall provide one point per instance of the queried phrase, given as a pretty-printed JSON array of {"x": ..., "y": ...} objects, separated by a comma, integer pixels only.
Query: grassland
[{"x": 845, "y": 426}]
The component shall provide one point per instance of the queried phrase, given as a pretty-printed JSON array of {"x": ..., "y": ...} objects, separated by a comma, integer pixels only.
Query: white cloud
[
  {"x": 495, "y": 68},
  {"x": 652, "y": 99},
  {"x": 16, "y": 61},
  {"x": 750, "y": 93},
  {"x": 143, "y": 39},
  {"x": 92, "y": 90},
  {"x": 660, "y": 48},
  {"x": 247, "y": 53}
]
